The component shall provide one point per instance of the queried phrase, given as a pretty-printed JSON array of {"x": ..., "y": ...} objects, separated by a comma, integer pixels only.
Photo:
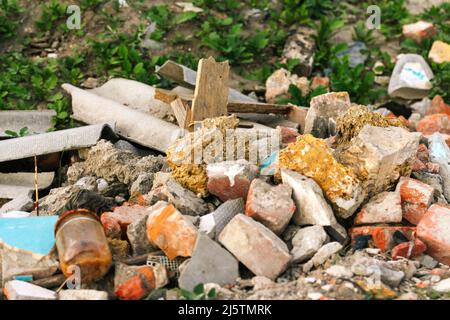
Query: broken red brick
[
  {"x": 438, "y": 122},
  {"x": 404, "y": 249},
  {"x": 382, "y": 236},
  {"x": 438, "y": 106},
  {"x": 138, "y": 286},
  {"x": 416, "y": 198},
  {"x": 271, "y": 205},
  {"x": 169, "y": 230},
  {"x": 115, "y": 223},
  {"x": 419, "y": 31},
  {"x": 385, "y": 207},
  {"x": 433, "y": 230}
]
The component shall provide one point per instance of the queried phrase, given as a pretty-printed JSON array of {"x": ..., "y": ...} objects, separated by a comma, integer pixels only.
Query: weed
[
  {"x": 198, "y": 293},
  {"x": 22, "y": 132},
  {"x": 51, "y": 14},
  {"x": 363, "y": 34},
  {"x": 9, "y": 9},
  {"x": 298, "y": 99},
  {"x": 441, "y": 81},
  {"x": 324, "y": 50},
  {"x": 394, "y": 15}
]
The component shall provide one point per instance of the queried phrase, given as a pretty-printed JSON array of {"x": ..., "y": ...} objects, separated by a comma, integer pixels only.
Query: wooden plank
[
  {"x": 211, "y": 90},
  {"x": 187, "y": 78},
  {"x": 181, "y": 110},
  {"x": 265, "y": 108}
]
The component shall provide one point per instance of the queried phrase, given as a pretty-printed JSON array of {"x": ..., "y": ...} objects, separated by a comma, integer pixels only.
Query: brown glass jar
[{"x": 81, "y": 241}]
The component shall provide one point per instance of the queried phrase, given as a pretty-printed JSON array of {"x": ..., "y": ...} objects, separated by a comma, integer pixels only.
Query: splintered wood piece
[
  {"x": 181, "y": 110},
  {"x": 255, "y": 107},
  {"x": 211, "y": 90}
]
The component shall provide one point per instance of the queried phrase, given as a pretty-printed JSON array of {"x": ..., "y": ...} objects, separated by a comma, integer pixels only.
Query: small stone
[
  {"x": 258, "y": 248},
  {"x": 306, "y": 242},
  {"x": 323, "y": 108},
  {"x": 438, "y": 122},
  {"x": 322, "y": 255},
  {"x": 338, "y": 271},
  {"x": 439, "y": 52},
  {"x": 433, "y": 231},
  {"x": 419, "y": 31},
  {"x": 231, "y": 179},
  {"x": 391, "y": 277},
  {"x": 209, "y": 263},
  {"x": 143, "y": 184},
  {"x": 428, "y": 261},
  {"x": 270, "y": 205},
  {"x": 21, "y": 290},
  {"x": 416, "y": 198},
  {"x": 313, "y": 158},
  {"x": 314, "y": 295},
  {"x": 438, "y": 105},
  {"x": 278, "y": 83},
  {"x": 260, "y": 282},
  {"x": 300, "y": 46},
  {"x": 384, "y": 207},
  {"x": 82, "y": 294},
  {"x": 442, "y": 286},
  {"x": 411, "y": 77},
  {"x": 169, "y": 230},
  {"x": 380, "y": 156}
]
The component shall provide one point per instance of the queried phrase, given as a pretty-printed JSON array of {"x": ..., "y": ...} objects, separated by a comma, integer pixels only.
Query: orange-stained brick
[
  {"x": 382, "y": 236},
  {"x": 416, "y": 197},
  {"x": 434, "y": 231},
  {"x": 138, "y": 286},
  {"x": 438, "y": 122},
  {"x": 404, "y": 250},
  {"x": 116, "y": 222},
  {"x": 438, "y": 105},
  {"x": 169, "y": 230}
]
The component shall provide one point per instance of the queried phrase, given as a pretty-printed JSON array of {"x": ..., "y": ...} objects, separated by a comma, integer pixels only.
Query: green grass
[{"x": 9, "y": 11}]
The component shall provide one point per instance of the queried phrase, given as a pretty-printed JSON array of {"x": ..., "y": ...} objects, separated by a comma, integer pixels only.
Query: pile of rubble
[{"x": 334, "y": 201}]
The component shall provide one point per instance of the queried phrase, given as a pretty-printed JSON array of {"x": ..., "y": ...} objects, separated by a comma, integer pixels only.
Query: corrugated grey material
[
  {"x": 135, "y": 125},
  {"x": 57, "y": 141},
  {"x": 225, "y": 212},
  {"x": 35, "y": 121}
]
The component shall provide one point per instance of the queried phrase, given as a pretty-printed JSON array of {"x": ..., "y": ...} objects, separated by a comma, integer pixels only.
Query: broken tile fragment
[
  {"x": 416, "y": 197},
  {"x": 21, "y": 290},
  {"x": 270, "y": 205},
  {"x": 253, "y": 244},
  {"x": 409, "y": 249},
  {"x": 419, "y": 31}
]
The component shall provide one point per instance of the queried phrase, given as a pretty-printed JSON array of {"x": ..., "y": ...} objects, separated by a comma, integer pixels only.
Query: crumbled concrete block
[
  {"x": 380, "y": 156},
  {"x": 143, "y": 184},
  {"x": 323, "y": 108},
  {"x": 313, "y": 158},
  {"x": 258, "y": 248},
  {"x": 21, "y": 290},
  {"x": 419, "y": 31},
  {"x": 82, "y": 294},
  {"x": 137, "y": 236},
  {"x": 166, "y": 188},
  {"x": 21, "y": 203},
  {"x": 416, "y": 198},
  {"x": 433, "y": 230},
  {"x": 210, "y": 263},
  {"x": 439, "y": 52},
  {"x": 306, "y": 242},
  {"x": 385, "y": 207},
  {"x": 169, "y": 230},
  {"x": 270, "y": 205},
  {"x": 231, "y": 179}
]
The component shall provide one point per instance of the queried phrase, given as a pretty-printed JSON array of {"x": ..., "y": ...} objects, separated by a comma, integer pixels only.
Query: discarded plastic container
[{"x": 81, "y": 241}]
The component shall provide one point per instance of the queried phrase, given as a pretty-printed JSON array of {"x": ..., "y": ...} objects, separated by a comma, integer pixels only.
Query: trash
[
  {"x": 34, "y": 121},
  {"x": 167, "y": 189},
  {"x": 439, "y": 52},
  {"x": 21, "y": 290},
  {"x": 81, "y": 242},
  {"x": 385, "y": 207},
  {"x": 312, "y": 158},
  {"x": 135, "y": 125},
  {"x": 230, "y": 180},
  {"x": 34, "y": 234},
  {"x": 301, "y": 45},
  {"x": 270, "y": 205},
  {"x": 169, "y": 230},
  {"x": 56, "y": 141},
  {"x": 82, "y": 294},
  {"x": 323, "y": 108},
  {"x": 306, "y": 242},
  {"x": 416, "y": 198},
  {"x": 253, "y": 244},
  {"x": 411, "y": 77},
  {"x": 210, "y": 263},
  {"x": 380, "y": 156},
  {"x": 433, "y": 231},
  {"x": 419, "y": 31}
]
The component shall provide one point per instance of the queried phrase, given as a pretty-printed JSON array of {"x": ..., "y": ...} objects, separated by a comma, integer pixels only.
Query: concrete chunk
[
  {"x": 385, "y": 207},
  {"x": 21, "y": 290},
  {"x": 306, "y": 242},
  {"x": 258, "y": 248},
  {"x": 82, "y": 294},
  {"x": 210, "y": 263}
]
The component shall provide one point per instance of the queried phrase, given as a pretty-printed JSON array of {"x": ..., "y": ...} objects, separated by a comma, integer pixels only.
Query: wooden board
[
  {"x": 182, "y": 112},
  {"x": 211, "y": 90}
]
